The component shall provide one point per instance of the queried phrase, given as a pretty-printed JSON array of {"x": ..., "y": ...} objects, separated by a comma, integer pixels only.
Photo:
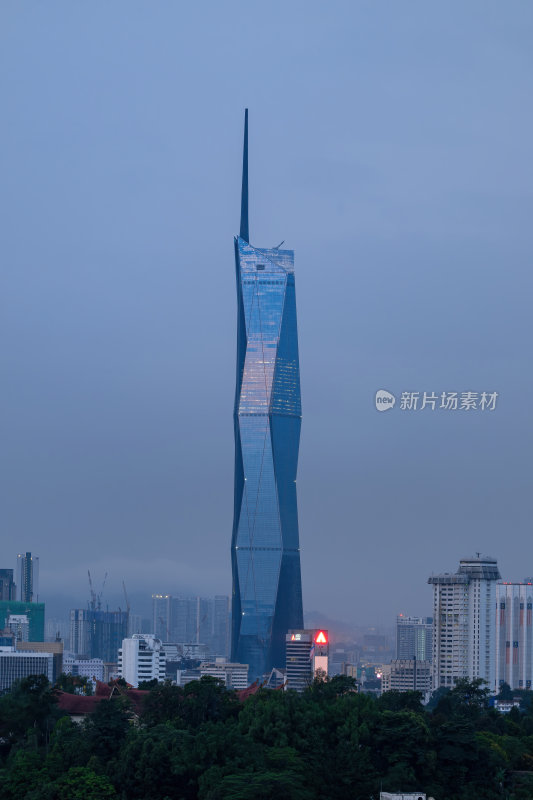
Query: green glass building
[{"x": 33, "y": 611}]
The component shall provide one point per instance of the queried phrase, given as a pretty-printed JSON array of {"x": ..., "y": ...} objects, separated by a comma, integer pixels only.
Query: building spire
[{"x": 244, "y": 194}]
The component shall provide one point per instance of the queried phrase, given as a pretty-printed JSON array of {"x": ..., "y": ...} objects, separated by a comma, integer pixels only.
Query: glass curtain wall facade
[{"x": 267, "y": 593}]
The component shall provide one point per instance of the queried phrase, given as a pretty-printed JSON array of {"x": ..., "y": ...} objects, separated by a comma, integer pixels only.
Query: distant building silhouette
[
  {"x": 28, "y": 577},
  {"x": 414, "y": 637},
  {"x": 193, "y": 620},
  {"x": 7, "y": 585},
  {"x": 97, "y": 634}
]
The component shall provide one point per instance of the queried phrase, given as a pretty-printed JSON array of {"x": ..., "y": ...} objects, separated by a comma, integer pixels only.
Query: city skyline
[{"x": 395, "y": 161}]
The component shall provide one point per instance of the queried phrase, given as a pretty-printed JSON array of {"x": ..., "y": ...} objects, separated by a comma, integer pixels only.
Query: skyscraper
[
  {"x": 28, "y": 577},
  {"x": 514, "y": 635},
  {"x": 464, "y": 613},
  {"x": 97, "y": 634},
  {"x": 414, "y": 637},
  {"x": 267, "y": 589}
]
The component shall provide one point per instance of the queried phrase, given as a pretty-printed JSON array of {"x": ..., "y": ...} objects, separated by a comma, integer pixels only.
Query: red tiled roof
[
  {"x": 80, "y": 704},
  {"x": 77, "y": 703},
  {"x": 243, "y": 694}
]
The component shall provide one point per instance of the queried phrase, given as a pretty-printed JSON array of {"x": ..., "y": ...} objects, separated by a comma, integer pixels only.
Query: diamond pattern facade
[{"x": 267, "y": 594}]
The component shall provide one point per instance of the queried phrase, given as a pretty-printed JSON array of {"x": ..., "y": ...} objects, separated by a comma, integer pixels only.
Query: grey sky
[{"x": 390, "y": 146}]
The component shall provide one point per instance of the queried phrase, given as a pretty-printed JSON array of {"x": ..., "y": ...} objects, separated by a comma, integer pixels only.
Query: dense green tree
[
  {"x": 163, "y": 704},
  {"x": 25, "y": 771},
  {"x": 401, "y": 746},
  {"x": 401, "y": 701},
  {"x": 74, "y": 684},
  {"x": 69, "y": 747},
  {"x": 505, "y": 694},
  {"x": 436, "y": 696},
  {"x": 201, "y": 743},
  {"x": 148, "y": 685},
  {"x": 78, "y": 783},
  {"x": 106, "y": 728},
  {"x": 207, "y": 700},
  {"x": 30, "y": 705}
]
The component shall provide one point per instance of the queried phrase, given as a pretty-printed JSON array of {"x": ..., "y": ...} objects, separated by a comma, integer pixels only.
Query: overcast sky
[{"x": 390, "y": 146}]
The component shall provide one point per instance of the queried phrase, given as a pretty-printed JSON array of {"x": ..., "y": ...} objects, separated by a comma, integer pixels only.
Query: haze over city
[{"x": 390, "y": 146}]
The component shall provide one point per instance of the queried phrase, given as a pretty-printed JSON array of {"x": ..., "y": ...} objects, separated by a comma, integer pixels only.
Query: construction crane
[
  {"x": 201, "y": 621},
  {"x": 101, "y": 592},
  {"x": 126, "y": 597},
  {"x": 93, "y": 593},
  {"x": 165, "y": 627},
  {"x": 96, "y": 599}
]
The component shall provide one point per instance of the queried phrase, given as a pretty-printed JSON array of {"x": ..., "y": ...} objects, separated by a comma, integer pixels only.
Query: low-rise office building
[
  {"x": 406, "y": 675},
  {"x": 307, "y": 655},
  {"x": 235, "y": 676},
  {"x": 15, "y": 665},
  {"x": 92, "y": 668}
]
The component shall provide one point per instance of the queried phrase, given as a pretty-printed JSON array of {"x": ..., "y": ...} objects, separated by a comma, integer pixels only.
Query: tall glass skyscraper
[{"x": 267, "y": 587}]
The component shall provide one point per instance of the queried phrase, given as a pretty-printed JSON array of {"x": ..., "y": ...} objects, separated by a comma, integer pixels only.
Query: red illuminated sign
[{"x": 321, "y": 638}]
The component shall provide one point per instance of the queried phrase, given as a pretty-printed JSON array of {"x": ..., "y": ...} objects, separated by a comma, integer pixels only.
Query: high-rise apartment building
[
  {"x": 464, "y": 635},
  {"x": 267, "y": 590},
  {"x": 162, "y": 616},
  {"x": 414, "y": 637},
  {"x": 7, "y": 585},
  {"x": 514, "y": 635},
  {"x": 28, "y": 577}
]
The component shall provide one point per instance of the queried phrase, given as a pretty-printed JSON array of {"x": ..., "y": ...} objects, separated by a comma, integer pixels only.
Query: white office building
[
  {"x": 514, "y": 635},
  {"x": 92, "y": 668},
  {"x": 15, "y": 665},
  {"x": 141, "y": 658},
  {"x": 406, "y": 675},
  {"x": 464, "y": 633},
  {"x": 235, "y": 676}
]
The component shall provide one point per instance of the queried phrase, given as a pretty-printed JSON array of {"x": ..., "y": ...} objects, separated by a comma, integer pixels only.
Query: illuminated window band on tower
[{"x": 267, "y": 588}]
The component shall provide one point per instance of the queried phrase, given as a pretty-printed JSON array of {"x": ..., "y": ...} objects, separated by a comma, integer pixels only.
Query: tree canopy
[{"x": 200, "y": 741}]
